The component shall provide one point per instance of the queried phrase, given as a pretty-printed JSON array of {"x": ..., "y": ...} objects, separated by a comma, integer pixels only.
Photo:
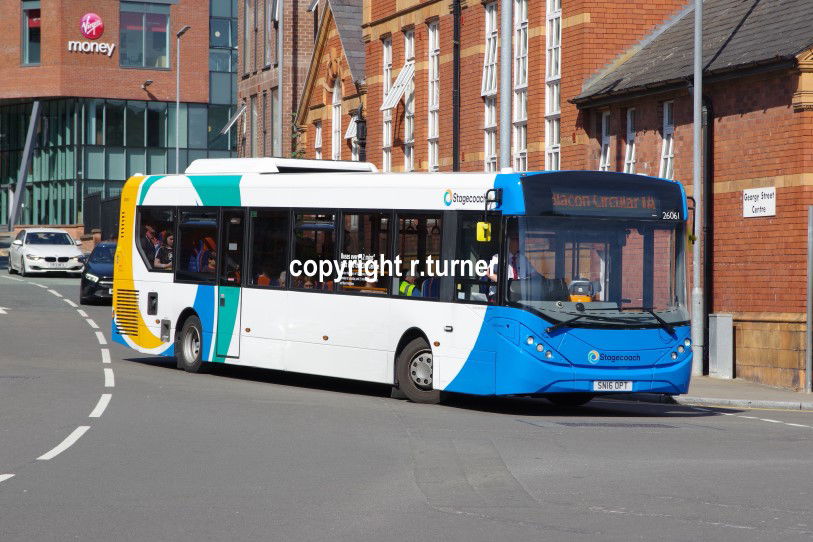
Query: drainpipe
[
  {"x": 506, "y": 62},
  {"x": 456, "y": 86},
  {"x": 698, "y": 312},
  {"x": 708, "y": 213},
  {"x": 280, "y": 93}
]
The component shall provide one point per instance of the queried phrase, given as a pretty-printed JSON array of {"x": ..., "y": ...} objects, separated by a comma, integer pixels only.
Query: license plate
[{"x": 612, "y": 385}]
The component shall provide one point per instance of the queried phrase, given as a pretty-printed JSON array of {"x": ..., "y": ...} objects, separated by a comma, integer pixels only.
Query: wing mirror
[
  {"x": 484, "y": 232},
  {"x": 78, "y": 243},
  {"x": 17, "y": 242}
]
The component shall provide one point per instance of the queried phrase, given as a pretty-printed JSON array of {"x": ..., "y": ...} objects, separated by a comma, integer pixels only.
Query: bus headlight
[
  {"x": 680, "y": 349},
  {"x": 549, "y": 354},
  {"x": 529, "y": 340},
  {"x": 687, "y": 343},
  {"x": 673, "y": 355},
  {"x": 539, "y": 347}
]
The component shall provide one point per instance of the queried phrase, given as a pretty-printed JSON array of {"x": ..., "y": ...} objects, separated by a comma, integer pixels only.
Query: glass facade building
[{"x": 86, "y": 146}]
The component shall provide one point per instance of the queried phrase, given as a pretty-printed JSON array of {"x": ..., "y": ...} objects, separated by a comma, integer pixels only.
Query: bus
[{"x": 582, "y": 293}]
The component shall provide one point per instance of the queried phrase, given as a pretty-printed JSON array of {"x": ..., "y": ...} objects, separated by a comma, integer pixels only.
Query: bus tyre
[
  {"x": 414, "y": 372},
  {"x": 189, "y": 346},
  {"x": 570, "y": 399}
]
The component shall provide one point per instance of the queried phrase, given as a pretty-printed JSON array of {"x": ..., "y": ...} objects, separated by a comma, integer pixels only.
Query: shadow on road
[{"x": 514, "y": 406}]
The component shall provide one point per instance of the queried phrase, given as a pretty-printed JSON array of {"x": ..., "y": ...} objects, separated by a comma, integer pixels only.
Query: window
[
  {"x": 353, "y": 134},
  {"x": 269, "y": 248},
  {"x": 336, "y": 121},
  {"x": 267, "y": 38},
  {"x": 265, "y": 124},
  {"x": 156, "y": 237},
  {"x": 197, "y": 246},
  {"x": 434, "y": 95},
  {"x": 366, "y": 238},
  {"x": 252, "y": 136},
  {"x": 276, "y": 140},
  {"x": 317, "y": 139},
  {"x": 144, "y": 35},
  {"x": 31, "y": 33},
  {"x": 409, "y": 101},
  {"x": 386, "y": 140},
  {"x": 490, "y": 133},
  {"x": 553, "y": 56},
  {"x": 247, "y": 29},
  {"x": 520, "y": 125},
  {"x": 668, "y": 149},
  {"x": 315, "y": 240},
  {"x": 135, "y": 123},
  {"x": 489, "y": 82},
  {"x": 419, "y": 237},
  {"x": 604, "y": 161},
  {"x": 114, "y": 123},
  {"x": 629, "y": 156},
  {"x": 471, "y": 285}
]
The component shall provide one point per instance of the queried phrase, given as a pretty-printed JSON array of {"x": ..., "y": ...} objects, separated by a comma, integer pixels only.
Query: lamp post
[{"x": 178, "y": 35}]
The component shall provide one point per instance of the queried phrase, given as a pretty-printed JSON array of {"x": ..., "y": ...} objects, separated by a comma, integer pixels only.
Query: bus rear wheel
[
  {"x": 570, "y": 399},
  {"x": 189, "y": 346},
  {"x": 414, "y": 370}
]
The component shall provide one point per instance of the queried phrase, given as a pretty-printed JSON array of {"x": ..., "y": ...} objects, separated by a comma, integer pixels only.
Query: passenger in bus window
[
  {"x": 264, "y": 278},
  {"x": 163, "y": 259},
  {"x": 281, "y": 280},
  {"x": 211, "y": 263},
  {"x": 408, "y": 287},
  {"x": 517, "y": 265},
  {"x": 151, "y": 242}
]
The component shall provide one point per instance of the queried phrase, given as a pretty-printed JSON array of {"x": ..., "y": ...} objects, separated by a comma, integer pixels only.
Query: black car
[{"x": 97, "y": 278}]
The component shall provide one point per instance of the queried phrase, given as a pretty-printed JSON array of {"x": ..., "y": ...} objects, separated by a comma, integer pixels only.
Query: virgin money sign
[{"x": 91, "y": 26}]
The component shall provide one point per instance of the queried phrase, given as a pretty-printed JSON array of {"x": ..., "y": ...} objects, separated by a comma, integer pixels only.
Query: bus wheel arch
[{"x": 413, "y": 368}]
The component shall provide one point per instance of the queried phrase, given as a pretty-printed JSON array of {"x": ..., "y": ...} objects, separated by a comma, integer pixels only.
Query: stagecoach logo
[
  {"x": 450, "y": 197},
  {"x": 593, "y": 356},
  {"x": 91, "y": 26}
]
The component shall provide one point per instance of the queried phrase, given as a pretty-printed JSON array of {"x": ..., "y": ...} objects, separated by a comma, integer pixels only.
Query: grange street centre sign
[{"x": 759, "y": 202}]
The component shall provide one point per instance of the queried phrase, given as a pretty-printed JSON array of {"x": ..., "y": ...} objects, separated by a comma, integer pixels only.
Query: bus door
[{"x": 230, "y": 274}]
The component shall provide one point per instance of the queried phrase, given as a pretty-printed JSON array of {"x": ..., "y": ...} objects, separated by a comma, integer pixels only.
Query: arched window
[{"x": 336, "y": 123}]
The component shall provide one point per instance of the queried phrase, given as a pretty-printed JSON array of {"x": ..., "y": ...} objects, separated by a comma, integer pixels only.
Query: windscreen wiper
[
  {"x": 563, "y": 323},
  {"x": 664, "y": 324}
]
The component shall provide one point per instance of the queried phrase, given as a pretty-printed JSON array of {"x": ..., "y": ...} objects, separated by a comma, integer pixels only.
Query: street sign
[{"x": 759, "y": 202}]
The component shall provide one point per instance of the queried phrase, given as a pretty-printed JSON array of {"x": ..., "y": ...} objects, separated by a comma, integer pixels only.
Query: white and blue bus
[{"x": 584, "y": 293}]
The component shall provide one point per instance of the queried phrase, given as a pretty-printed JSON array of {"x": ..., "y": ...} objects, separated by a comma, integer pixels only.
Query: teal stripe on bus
[
  {"x": 219, "y": 190},
  {"x": 148, "y": 182}
]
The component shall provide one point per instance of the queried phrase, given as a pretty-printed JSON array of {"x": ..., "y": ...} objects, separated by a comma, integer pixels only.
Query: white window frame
[
  {"x": 490, "y": 59},
  {"x": 336, "y": 121},
  {"x": 604, "y": 160},
  {"x": 553, "y": 74},
  {"x": 317, "y": 139},
  {"x": 433, "y": 109},
  {"x": 409, "y": 100},
  {"x": 490, "y": 135},
  {"x": 629, "y": 155},
  {"x": 667, "y": 169},
  {"x": 520, "y": 105},
  {"x": 386, "y": 124}
]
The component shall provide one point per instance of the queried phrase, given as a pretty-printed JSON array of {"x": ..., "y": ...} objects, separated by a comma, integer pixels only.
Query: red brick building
[
  {"x": 104, "y": 72},
  {"x": 262, "y": 130}
]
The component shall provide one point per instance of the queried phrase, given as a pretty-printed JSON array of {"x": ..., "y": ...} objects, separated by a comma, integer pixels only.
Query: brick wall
[
  {"x": 64, "y": 73},
  {"x": 256, "y": 77}
]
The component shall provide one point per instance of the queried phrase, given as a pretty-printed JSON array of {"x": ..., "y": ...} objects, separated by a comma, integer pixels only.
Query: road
[{"x": 245, "y": 454}]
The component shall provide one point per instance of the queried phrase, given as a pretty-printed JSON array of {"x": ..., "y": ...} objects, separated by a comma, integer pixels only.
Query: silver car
[{"x": 44, "y": 250}]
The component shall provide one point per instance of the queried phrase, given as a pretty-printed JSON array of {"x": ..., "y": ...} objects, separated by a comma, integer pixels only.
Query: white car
[{"x": 44, "y": 250}]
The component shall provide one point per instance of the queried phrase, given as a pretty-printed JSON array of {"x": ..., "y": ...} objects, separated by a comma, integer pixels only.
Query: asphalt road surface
[{"x": 105, "y": 444}]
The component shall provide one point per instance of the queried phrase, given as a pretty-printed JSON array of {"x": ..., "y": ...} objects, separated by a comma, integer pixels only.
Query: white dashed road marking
[
  {"x": 797, "y": 425},
  {"x": 91, "y": 323},
  {"x": 4, "y": 477},
  {"x": 104, "y": 400},
  {"x": 39, "y": 285},
  {"x": 100, "y": 337},
  {"x": 69, "y": 302},
  {"x": 82, "y": 313},
  {"x": 105, "y": 355},
  {"x": 55, "y": 293},
  {"x": 769, "y": 420},
  {"x": 109, "y": 378},
  {"x": 65, "y": 444}
]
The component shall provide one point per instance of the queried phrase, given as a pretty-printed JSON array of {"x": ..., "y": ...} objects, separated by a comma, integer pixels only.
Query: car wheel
[
  {"x": 570, "y": 399},
  {"x": 10, "y": 267},
  {"x": 22, "y": 268},
  {"x": 189, "y": 346},
  {"x": 414, "y": 371}
]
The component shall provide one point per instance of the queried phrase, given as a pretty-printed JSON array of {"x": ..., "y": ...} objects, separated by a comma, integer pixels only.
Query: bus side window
[
  {"x": 197, "y": 246},
  {"x": 315, "y": 240},
  {"x": 419, "y": 237},
  {"x": 154, "y": 237},
  {"x": 471, "y": 284},
  {"x": 269, "y": 248},
  {"x": 366, "y": 238}
]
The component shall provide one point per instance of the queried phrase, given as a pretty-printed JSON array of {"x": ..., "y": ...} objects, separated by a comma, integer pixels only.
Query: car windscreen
[
  {"x": 103, "y": 255},
  {"x": 48, "y": 238}
]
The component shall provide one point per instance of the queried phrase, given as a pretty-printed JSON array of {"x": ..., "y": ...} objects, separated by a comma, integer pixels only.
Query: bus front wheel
[
  {"x": 189, "y": 346},
  {"x": 414, "y": 370}
]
